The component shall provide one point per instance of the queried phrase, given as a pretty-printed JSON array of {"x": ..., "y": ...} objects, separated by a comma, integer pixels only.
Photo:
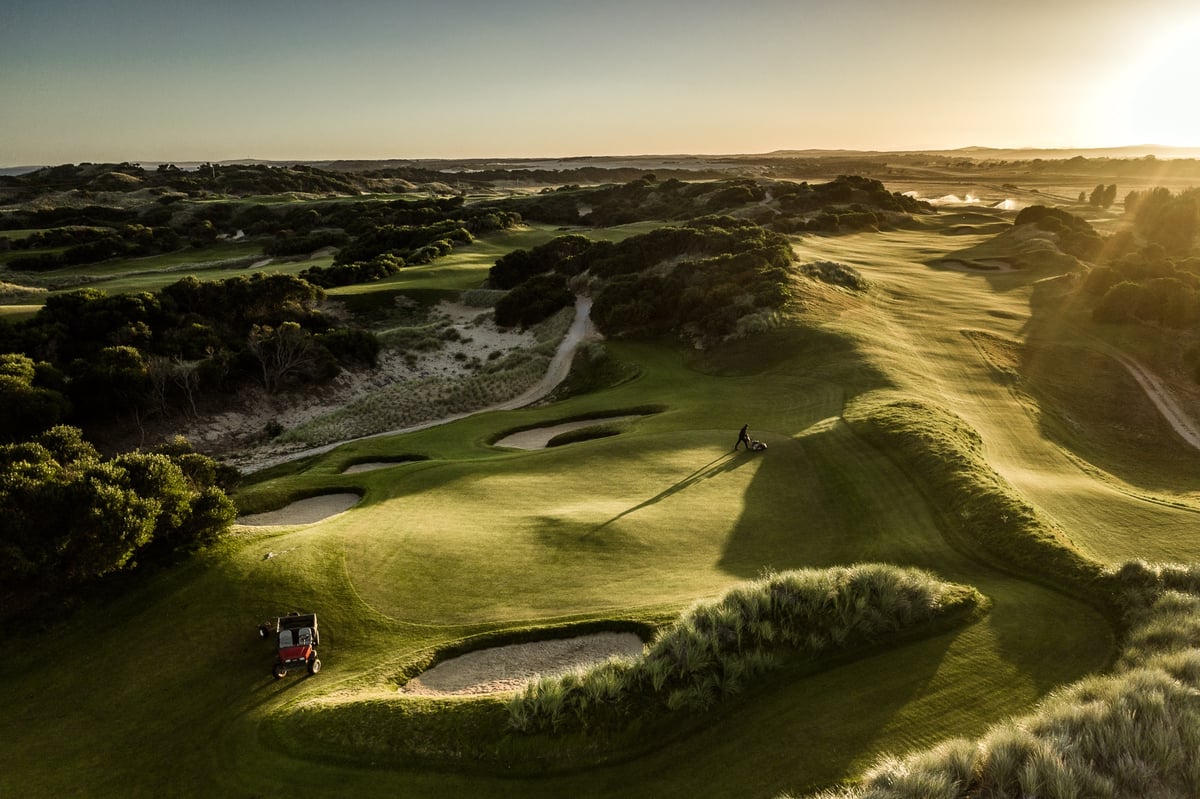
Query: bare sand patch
[
  {"x": 539, "y": 437},
  {"x": 370, "y": 466},
  {"x": 304, "y": 511},
  {"x": 508, "y": 668},
  {"x": 235, "y": 435}
]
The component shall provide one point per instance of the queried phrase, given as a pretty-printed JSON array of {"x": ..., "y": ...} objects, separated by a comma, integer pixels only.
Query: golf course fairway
[{"x": 167, "y": 691}]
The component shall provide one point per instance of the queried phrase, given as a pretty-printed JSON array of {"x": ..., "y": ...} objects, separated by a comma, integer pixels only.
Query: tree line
[
  {"x": 722, "y": 270},
  {"x": 87, "y": 357},
  {"x": 848, "y": 203}
]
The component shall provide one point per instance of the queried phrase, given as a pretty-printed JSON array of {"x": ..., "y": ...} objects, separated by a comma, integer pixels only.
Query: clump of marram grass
[
  {"x": 1130, "y": 734},
  {"x": 417, "y": 338},
  {"x": 481, "y": 298},
  {"x": 717, "y": 648}
]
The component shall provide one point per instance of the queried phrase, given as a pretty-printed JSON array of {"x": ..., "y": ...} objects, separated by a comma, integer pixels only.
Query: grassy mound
[
  {"x": 1130, "y": 734},
  {"x": 716, "y": 648},
  {"x": 977, "y": 505},
  {"x": 1026, "y": 248}
]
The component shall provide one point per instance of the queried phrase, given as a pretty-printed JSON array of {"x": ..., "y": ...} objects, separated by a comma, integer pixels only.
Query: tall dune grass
[
  {"x": 717, "y": 648},
  {"x": 1132, "y": 733}
]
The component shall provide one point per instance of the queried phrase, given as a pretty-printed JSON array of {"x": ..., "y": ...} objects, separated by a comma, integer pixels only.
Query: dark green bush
[{"x": 535, "y": 299}]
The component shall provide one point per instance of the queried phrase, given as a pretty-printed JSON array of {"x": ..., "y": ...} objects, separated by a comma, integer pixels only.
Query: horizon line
[{"x": 976, "y": 148}]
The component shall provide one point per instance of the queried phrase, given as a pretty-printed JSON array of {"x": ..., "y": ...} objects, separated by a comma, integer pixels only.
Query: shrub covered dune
[{"x": 893, "y": 439}]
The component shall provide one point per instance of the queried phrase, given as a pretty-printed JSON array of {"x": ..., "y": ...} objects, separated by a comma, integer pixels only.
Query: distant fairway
[
  {"x": 477, "y": 541},
  {"x": 927, "y": 315}
]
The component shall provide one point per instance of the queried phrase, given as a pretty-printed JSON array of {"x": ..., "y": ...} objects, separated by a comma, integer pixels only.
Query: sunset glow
[
  {"x": 1157, "y": 97},
  {"x": 131, "y": 80}
]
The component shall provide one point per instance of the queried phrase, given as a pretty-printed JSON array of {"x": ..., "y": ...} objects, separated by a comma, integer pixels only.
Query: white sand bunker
[
  {"x": 507, "y": 668},
  {"x": 539, "y": 437},
  {"x": 305, "y": 511},
  {"x": 371, "y": 466}
]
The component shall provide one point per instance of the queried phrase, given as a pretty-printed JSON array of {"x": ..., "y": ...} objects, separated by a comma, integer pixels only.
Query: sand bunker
[
  {"x": 305, "y": 511},
  {"x": 507, "y": 668},
  {"x": 987, "y": 265},
  {"x": 371, "y": 466},
  {"x": 539, "y": 437}
]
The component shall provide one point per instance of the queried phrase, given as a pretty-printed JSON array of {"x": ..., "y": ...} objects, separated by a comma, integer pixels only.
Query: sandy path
[
  {"x": 539, "y": 437},
  {"x": 507, "y": 668},
  {"x": 560, "y": 365}
]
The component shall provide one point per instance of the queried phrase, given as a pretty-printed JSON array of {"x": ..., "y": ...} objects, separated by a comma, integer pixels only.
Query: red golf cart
[{"x": 298, "y": 637}]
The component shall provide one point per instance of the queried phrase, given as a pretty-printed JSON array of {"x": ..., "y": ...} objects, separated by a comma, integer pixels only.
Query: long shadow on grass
[{"x": 718, "y": 466}]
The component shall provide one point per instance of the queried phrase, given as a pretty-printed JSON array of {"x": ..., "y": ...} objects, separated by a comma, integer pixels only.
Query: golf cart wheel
[
  {"x": 314, "y": 666},
  {"x": 279, "y": 671}
]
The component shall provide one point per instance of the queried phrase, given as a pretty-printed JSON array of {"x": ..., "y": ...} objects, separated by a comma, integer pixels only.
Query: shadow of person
[{"x": 720, "y": 465}]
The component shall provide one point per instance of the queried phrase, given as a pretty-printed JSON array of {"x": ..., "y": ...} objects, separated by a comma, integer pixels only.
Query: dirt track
[{"x": 1180, "y": 421}]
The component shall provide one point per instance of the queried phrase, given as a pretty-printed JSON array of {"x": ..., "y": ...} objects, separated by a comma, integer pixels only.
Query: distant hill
[{"x": 681, "y": 161}]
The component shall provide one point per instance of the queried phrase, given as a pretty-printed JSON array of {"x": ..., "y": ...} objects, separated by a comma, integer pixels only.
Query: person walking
[{"x": 743, "y": 437}]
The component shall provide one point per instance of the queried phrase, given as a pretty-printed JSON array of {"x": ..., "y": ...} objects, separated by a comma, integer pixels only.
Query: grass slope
[{"x": 175, "y": 695}]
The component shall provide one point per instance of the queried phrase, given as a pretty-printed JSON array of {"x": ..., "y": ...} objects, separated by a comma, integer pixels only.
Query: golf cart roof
[{"x": 294, "y": 621}]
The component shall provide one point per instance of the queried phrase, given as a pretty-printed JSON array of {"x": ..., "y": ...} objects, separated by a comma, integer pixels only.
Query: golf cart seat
[
  {"x": 285, "y": 638},
  {"x": 304, "y": 636}
]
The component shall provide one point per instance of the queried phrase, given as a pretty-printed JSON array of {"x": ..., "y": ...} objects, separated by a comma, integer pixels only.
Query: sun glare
[{"x": 1155, "y": 99}]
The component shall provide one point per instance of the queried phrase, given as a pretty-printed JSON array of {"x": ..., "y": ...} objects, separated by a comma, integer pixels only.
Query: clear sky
[{"x": 149, "y": 80}]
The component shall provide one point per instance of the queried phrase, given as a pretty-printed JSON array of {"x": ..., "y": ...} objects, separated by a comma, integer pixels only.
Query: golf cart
[{"x": 297, "y": 637}]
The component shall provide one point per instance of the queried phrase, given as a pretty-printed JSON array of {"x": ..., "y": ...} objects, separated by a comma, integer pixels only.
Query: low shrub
[
  {"x": 835, "y": 274},
  {"x": 592, "y": 369}
]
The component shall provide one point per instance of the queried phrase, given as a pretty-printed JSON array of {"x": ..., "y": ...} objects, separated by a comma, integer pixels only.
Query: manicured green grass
[
  {"x": 151, "y": 273},
  {"x": 467, "y": 266},
  {"x": 15, "y": 313},
  {"x": 175, "y": 696},
  {"x": 17, "y": 234}
]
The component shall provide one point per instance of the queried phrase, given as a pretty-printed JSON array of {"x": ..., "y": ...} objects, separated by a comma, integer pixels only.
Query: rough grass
[{"x": 412, "y": 402}]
